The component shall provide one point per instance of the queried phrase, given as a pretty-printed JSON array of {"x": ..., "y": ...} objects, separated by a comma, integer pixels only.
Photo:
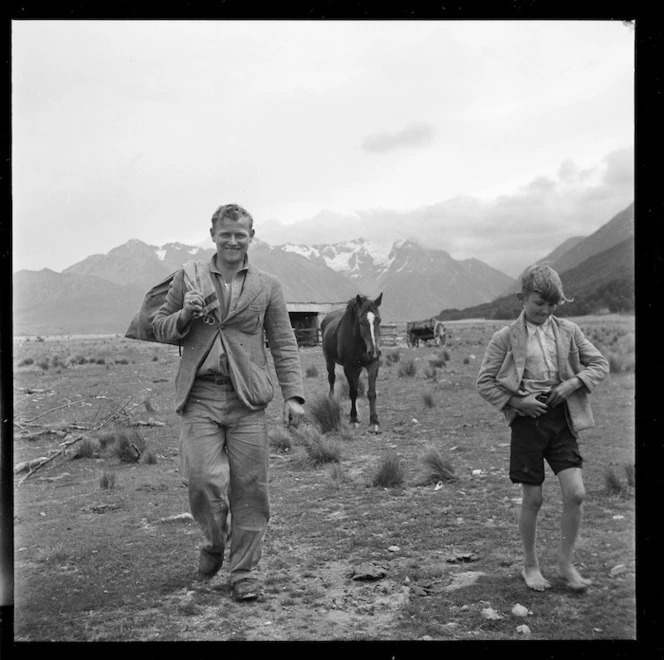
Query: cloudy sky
[{"x": 489, "y": 139}]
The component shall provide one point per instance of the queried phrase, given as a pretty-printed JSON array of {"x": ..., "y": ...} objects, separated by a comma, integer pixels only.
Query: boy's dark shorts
[{"x": 545, "y": 437}]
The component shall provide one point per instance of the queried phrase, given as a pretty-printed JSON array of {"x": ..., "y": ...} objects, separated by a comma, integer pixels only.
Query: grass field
[{"x": 105, "y": 548}]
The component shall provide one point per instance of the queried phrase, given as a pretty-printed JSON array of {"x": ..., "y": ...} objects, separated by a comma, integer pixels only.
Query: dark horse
[{"x": 351, "y": 338}]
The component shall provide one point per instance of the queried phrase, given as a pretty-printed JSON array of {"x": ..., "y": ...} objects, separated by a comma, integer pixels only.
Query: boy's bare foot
[
  {"x": 534, "y": 579},
  {"x": 574, "y": 579}
]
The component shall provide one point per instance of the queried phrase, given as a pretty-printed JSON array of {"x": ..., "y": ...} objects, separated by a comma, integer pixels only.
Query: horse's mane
[{"x": 355, "y": 304}]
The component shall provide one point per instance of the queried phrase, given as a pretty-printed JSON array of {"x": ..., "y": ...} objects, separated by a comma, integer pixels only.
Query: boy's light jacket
[
  {"x": 501, "y": 372},
  {"x": 261, "y": 305}
]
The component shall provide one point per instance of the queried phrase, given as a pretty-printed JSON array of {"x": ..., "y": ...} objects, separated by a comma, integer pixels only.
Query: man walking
[{"x": 220, "y": 312}]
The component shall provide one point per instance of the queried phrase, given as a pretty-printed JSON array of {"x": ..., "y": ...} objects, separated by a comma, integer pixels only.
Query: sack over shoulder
[{"x": 141, "y": 325}]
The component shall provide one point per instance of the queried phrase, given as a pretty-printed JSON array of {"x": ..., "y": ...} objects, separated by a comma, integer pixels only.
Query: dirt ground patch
[{"x": 100, "y": 563}]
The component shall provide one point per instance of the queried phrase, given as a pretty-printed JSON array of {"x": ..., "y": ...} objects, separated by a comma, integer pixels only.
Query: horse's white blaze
[{"x": 371, "y": 317}]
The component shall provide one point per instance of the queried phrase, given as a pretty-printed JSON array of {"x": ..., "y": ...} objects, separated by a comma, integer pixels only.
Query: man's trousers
[{"x": 224, "y": 461}]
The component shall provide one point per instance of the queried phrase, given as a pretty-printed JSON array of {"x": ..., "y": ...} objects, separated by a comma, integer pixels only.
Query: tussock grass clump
[
  {"x": 121, "y": 361},
  {"x": 55, "y": 554},
  {"x": 311, "y": 371},
  {"x": 431, "y": 374},
  {"x": 445, "y": 355},
  {"x": 393, "y": 356},
  {"x": 44, "y": 363},
  {"x": 107, "y": 480},
  {"x": 619, "y": 364},
  {"x": 150, "y": 456},
  {"x": 613, "y": 484},
  {"x": 466, "y": 360},
  {"x": 57, "y": 361},
  {"x": 155, "y": 358},
  {"x": 436, "y": 468},
  {"x": 319, "y": 448},
  {"x": 326, "y": 412},
  {"x": 106, "y": 439},
  {"x": 336, "y": 474},
  {"x": 128, "y": 446},
  {"x": 322, "y": 450},
  {"x": 345, "y": 431},
  {"x": 280, "y": 439},
  {"x": 100, "y": 360},
  {"x": 438, "y": 362},
  {"x": 26, "y": 362},
  {"x": 407, "y": 369},
  {"x": 630, "y": 474},
  {"x": 390, "y": 472},
  {"x": 428, "y": 400},
  {"x": 87, "y": 448},
  {"x": 78, "y": 359}
]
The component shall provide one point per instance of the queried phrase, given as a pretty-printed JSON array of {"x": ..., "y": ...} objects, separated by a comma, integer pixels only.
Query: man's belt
[{"x": 217, "y": 379}]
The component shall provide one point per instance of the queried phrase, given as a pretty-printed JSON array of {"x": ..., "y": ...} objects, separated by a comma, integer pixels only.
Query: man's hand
[
  {"x": 293, "y": 412},
  {"x": 193, "y": 306}
]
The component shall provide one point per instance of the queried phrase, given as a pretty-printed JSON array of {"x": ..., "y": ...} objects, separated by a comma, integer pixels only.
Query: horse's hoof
[{"x": 374, "y": 429}]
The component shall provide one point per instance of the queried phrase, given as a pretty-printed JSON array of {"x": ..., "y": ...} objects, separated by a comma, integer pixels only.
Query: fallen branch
[
  {"x": 65, "y": 405},
  {"x": 65, "y": 445},
  {"x": 44, "y": 431},
  {"x": 150, "y": 422}
]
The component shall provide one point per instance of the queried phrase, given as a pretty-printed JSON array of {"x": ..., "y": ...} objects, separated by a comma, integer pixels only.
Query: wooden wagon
[{"x": 425, "y": 331}]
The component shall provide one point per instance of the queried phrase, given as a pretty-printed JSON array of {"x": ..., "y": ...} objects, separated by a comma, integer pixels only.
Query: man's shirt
[
  {"x": 541, "y": 370},
  {"x": 216, "y": 362}
]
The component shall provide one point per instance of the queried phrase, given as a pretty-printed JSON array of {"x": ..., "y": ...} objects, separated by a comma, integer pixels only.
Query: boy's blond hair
[{"x": 542, "y": 279}]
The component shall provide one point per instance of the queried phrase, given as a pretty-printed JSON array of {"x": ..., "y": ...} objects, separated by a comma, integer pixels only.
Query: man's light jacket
[
  {"x": 261, "y": 306},
  {"x": 501, "y": 372}
]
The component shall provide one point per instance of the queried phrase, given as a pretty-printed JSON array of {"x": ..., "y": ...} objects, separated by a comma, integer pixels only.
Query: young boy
[{"x": 538, "y": 371}]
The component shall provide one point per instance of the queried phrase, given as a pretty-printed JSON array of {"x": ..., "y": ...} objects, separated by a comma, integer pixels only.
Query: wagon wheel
[{"x": 411, "y": 341}]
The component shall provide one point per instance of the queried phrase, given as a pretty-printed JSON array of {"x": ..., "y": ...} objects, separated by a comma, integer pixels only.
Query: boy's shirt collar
[{"x": 532, "y": 328}]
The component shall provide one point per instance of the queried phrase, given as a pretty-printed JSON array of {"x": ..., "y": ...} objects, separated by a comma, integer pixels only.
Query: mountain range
[
  {"x": 101, "y": 293},
  {"x": 596, "y": 271}
]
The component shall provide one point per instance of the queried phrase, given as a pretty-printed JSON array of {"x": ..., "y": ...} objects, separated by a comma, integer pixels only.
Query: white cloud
[
  {"x": 415, "y": 134},
  {"x": 140, "y": 129}
]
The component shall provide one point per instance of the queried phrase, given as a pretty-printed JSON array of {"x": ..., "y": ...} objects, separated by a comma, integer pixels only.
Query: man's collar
[{"x": 214, "y": 269}]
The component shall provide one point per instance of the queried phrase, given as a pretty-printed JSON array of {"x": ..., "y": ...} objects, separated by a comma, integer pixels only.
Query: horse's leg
[
  {"x": 372, "y": 374},
  {"x": 331, "y": 376},
  {"x": 352, "y": 376}
]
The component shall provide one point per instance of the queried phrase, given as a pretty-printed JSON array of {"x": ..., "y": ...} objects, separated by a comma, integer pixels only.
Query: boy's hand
[
  {"x": 562, "y": 391},
  {"x": 528, "y": 405}
]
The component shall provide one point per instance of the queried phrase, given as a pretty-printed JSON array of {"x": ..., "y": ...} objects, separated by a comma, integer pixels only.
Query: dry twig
[{"x": 69, "y": 443}]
